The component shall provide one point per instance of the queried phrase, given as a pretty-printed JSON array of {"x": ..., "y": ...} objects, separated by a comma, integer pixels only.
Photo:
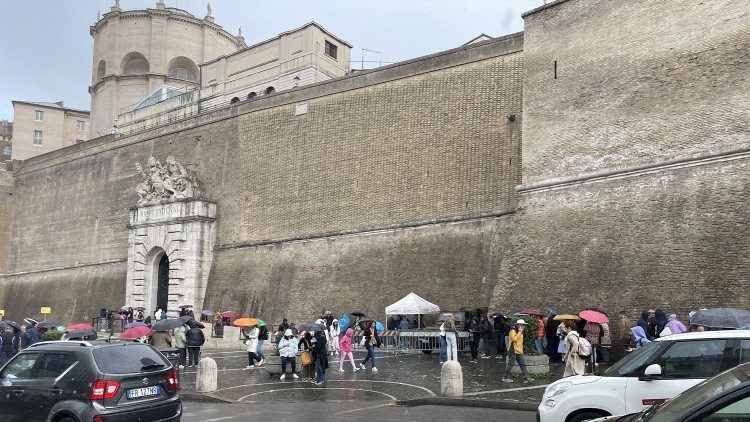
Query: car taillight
[
  {"x": 103, "y": 389},
  {"x": 98, "y": 418},
  {"x": 173, "y": 380}
]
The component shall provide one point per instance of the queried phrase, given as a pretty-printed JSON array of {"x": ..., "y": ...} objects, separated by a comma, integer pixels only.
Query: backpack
[{"x": 584, "y": 347}]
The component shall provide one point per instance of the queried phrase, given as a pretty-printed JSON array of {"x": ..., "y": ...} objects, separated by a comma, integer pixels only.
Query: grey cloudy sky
[{"x": 46, "y": 46}]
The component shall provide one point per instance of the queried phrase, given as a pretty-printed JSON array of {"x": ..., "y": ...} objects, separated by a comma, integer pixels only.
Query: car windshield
[
  {"x": 681, "y": 405},
  {"x": 633, "y": 361}
]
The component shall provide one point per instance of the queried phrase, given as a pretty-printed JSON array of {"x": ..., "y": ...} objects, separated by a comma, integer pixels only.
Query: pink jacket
[{"x": 346, "y": 341}]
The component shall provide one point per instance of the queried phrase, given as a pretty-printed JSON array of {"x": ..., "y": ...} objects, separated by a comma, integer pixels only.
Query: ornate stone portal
[{"x": 171, "y": 239}]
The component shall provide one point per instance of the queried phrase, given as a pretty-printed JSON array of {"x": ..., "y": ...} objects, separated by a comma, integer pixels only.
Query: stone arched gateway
[{"x": 171, "y": 239}]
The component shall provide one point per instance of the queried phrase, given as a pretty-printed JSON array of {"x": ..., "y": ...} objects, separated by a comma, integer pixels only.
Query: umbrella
[
  {"x": 81, "y": 334},
  {"x": 554, "y": 310},
  {"x": 167, "y": 324},
  {"x": 310, "y": 326},
  {"x": 80, "y": 327},
  {"x": 532, "y": 311},
  {"x": 185, "y": 306},
  {"x": 136, "y": 333},
  {"x": 30, "y": 320},
  {"x": 136, "y": 324},
  {"x": 229, "y": 314},
  {"x": 730, "y": 318},
  {"x": 247, "y": 322},
  {"x": 207, "y": 312},
  {"x": 566, "y": 317},
  {"x": 185, "y": 319},
  {"x": 593, "y": 316},
  {"x": 47, "y": 324},
  {"x": 358, "y": 313},
  {"x": 10, "y": 324}
]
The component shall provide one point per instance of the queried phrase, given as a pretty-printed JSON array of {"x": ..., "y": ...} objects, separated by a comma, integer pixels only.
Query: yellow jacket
[{"x": 516, "y": 341}]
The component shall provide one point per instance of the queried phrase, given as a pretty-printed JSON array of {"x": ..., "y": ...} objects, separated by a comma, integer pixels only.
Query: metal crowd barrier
[{"x": 417, "y": 339}]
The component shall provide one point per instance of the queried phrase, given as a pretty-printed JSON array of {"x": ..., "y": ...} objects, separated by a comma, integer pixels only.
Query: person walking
[
  {"x": 305, "y": 352},
  {"x": 262, "y": 337},
  {"x": 193, "y": 342},
  {"x": 371, "y": 342},
  {"x": 345, "y": 345},
  {"x": 251, "y": 341},
  {"x": 334, "y": 335},
  {"x": 451, "y": 345},
  {"x": 575, "y": 364},
  {"x": 485, "y": 332},
  {"x": 320, "y": 356},
  {"x": 288, "y": 353},
  {"x": 474, "y": 338},
  {"x": 515, "y": 354},
  {"x": 178, "y": 341}
]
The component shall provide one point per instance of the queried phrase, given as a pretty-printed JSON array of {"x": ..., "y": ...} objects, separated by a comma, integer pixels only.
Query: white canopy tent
[{"x": 412, "y": 304}]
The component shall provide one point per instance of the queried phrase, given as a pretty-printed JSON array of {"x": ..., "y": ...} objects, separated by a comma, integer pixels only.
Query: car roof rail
[{"x": 62, "y": 342}]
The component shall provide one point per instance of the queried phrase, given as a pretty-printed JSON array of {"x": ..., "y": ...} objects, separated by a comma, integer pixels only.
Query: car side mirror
[{"x": 652, "y": 371}]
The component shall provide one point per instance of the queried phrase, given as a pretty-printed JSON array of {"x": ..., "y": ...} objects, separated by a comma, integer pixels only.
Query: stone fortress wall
[{"x": 630, "y": 188}]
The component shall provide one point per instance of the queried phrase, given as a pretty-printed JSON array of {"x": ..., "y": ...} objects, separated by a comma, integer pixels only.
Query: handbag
[
  {"x": 306, "y": 357},
  {"x": 362, "y": 342}
]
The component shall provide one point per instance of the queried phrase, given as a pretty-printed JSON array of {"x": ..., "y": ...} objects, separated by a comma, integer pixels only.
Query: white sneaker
[
  {"x": 295, "y": 376},
  {"x": 262, "y": 361},
  {"x": 355, "y": 369},
  {"x": 362, "y": 366},
  {"x": 249, "y": 366},
  {"x": 282, "y": 376},
  {"x": 341, "y": 369},
  {"x": 374, "y": 369}
]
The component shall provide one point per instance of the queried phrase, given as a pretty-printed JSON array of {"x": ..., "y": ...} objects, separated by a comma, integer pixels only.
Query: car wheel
[
  {"x": 586, "y": 416},
  {"x": 66, "y": 419}
]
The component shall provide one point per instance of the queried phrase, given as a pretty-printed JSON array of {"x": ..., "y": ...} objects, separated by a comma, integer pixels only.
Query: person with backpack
[
  {"x": 575, "y": 357},
  {"x": 262, "y": 337},
  {"x": 194, "y": 340},
  {"x": 516, "y": 352}
]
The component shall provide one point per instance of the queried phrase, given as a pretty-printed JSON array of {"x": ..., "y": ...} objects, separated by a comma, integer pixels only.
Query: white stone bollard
[
  {"x": 451, "y": 379},
  {"x": 206, "y": 378}
]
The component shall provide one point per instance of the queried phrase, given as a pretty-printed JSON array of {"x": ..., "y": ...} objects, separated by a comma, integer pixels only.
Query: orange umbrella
[{"x": 245, "y": 322}]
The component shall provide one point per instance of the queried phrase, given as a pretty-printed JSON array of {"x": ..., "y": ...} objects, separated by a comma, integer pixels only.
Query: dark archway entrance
[{"x": 162, "y": 287}]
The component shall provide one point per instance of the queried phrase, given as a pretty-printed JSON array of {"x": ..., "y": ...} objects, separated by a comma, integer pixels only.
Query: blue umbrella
[
  {"x": 344, "y": 322},
  {"x": 136, "y": 324},
  {"x": 207, "y": 312}
]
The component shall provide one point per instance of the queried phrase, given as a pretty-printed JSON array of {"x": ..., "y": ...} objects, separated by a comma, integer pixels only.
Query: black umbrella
[
  {"x": 81, "y": 335},
  {"x": 185, "y": 318},
  {"x": 358, "y": 313},
  {"x": 185, "y": 306},
  {"x": 311, "y": 326},
  {"x": 10, "y": 324},
  {"x": 167, "y": 324},
  {"x": 554, "y": 310},
  {"x": 729, "y": 318},
  {"x": 47, "y": 324}
]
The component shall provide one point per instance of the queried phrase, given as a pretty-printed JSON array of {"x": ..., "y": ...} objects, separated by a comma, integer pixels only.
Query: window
[
  {"x": 7, "y": 150},
  {"x": 181, "y": 73},
  {"x": 39, "y": 116},
  {"x": 745, "y": 351},
  {"x": 331, "y": 50},
  {"x": 53, "y": 364},
  {"x": 270, "y": 90},
  {"x": 22, "y": 366},
  {"x": 80, "y": 125},
  {"x": 234, "y": 100},
  {"x": 134, "y": 63},
  {"x": 37, "y": 137},
  {"x": 735, "y": 411},
  {"x": 694, "y": 359}
]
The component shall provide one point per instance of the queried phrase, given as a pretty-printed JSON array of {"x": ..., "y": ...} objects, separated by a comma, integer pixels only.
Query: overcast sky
[{"x": 46, "y": 47}]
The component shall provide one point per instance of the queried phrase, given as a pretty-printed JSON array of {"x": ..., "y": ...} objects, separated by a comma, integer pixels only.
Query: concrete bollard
[
  {"x": 206, "y": 378},
  {"x": 451, "y": 379}
]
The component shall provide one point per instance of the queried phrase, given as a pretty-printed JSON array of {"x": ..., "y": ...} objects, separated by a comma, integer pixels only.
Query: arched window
[
  {"x": 183, "y": 68},
  {"x": 270, "y": 90},
  {"x": 234, "y": 100},
  {"x": 134, "y": 64},
  {"x": 101, "y": 70},
  {"x": 251, "y": 95}
]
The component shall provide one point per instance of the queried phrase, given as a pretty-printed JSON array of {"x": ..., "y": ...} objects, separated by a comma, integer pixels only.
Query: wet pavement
[{"x": 400, "y": 378}]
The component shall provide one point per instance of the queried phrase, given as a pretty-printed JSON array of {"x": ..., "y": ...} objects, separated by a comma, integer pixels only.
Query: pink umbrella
[
  {"x": 229, "y": 314},
  {"x": 136, "y": 333},
  {"x": 533, "y": 311},
  {"x": 593, "y": 316}
]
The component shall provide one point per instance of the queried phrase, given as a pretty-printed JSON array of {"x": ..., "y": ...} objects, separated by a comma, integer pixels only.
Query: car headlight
[{"x": 558, "y": 389}]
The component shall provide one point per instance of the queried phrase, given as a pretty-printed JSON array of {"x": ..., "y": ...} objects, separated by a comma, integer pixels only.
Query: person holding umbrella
[
  {"x": 371, "y": 341},
  {"x": 305, "y": 349},
  {"x": 320, "y": 356},
  {"x": 251, "y": 334},
  {"x": 575, "y": 364}
]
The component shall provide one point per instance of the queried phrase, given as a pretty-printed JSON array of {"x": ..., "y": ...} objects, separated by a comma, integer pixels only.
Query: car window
[
  {"x": 129, "y": 359},
  {"x": 694, "y": 359},
  {"x": 22, "y": 366},
  {"x": 52, "y": 365},
  {"x": 736, "y": 411},
  {"x": 632, "y": 362},
  {"x": 744, "y": 351}
]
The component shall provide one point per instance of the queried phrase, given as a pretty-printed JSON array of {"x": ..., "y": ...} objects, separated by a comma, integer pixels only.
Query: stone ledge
[{"x": 486, "y": 404}]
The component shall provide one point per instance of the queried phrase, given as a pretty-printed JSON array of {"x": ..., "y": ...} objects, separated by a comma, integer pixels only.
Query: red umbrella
[
  {"x": 229, "y": 314},
  {"x": 80, "y": 327},
  {"x": 593, "y": 316},
  {"x": 136, "y": 333},
  {"x": 530, "y": 311}
]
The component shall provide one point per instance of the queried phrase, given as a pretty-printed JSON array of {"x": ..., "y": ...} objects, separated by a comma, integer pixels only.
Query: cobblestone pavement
[{"x": 400, "y": 377}]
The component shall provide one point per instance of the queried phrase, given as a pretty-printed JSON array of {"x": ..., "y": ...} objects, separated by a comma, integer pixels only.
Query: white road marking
[
  {"x": 316, "y": 388},
  {"x": 355, "y": 380}
]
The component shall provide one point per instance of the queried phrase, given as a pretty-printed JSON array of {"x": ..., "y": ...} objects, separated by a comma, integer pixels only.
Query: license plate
[{"x": 143, "y": 392}]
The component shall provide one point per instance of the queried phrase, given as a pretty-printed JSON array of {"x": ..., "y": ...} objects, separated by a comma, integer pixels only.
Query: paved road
[{"x": 343, "y": 411}]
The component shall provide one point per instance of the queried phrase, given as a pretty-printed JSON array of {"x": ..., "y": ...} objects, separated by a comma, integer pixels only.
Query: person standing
[
  {"x": 345, "y": 345},
  {"x": 474, "y": 338},
  {"x": 288, "y": 353},
  {"x": 539, "y": 341},
  {"x": 251, "y": 341},
  {"x": 451, "y": 346},
  {"x": 498, "y": 327},
  {"x": 262, "y": 337},
  {"x": 161, "y": 340},
  {"x": 320, "y": 357},
  {"x": 593, "y": 333},
  {"x": 403, "y": 325},
  {"x": 305, "y": 348},
  {"x": 675, "y": 325},
  {"x": 334, "y": 334},
  {"x": 550, "y": 333},
  {"x": 574, "y": 363},
  {"x": 660, "y": 321},
  {"x": 103, "y": 319},
  {"x": 485, "y": 331},
  {"x": 193, "y": 342},
  {"x": 606, "y": 342},
  {"x": 178, "y": 341},
  {"x": 626, "y": 336},
  {"x": 442, "y": 357},
  {"x": 371, "y": 342},
  {"x": 516, "y": 352}
]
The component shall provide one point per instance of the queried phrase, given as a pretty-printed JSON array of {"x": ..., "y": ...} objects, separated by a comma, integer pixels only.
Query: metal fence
[{"x": 426, "y": 340}]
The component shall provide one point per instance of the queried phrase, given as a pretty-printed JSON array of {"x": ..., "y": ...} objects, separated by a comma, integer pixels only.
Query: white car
[{"x": 651, "y": 375}]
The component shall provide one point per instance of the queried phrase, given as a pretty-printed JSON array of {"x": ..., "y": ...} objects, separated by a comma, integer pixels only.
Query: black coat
[
  {"x": 319, "y": 349},
  {"x": 194, "y": 337}
]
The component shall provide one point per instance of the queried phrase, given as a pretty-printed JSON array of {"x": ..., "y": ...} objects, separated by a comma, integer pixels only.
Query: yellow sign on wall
[
  {"x": 2, "y": 312},
  {"x": 46, "y": 310}
]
